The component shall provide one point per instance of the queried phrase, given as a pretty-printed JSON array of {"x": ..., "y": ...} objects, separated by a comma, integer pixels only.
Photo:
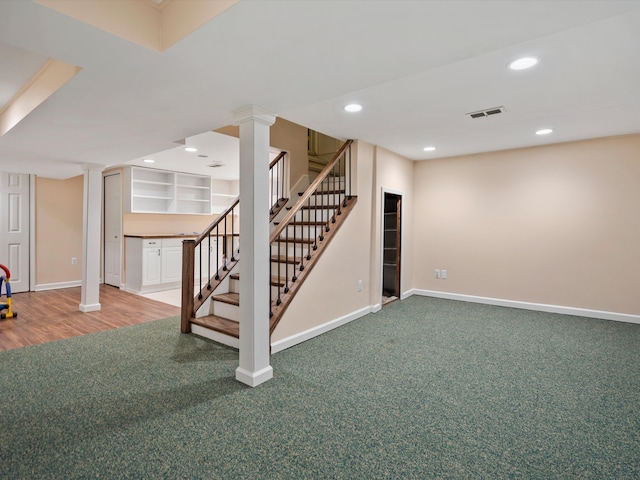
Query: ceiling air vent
[{"x": 486, "y": 113}]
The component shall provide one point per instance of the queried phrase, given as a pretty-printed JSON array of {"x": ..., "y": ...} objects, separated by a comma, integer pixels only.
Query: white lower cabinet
[
  {"x": 153, "y": 264},
  {"x": 171, "y": 260}
]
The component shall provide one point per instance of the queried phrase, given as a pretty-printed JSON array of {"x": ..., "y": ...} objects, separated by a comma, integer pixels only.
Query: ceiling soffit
[
  {"x": 53, "y": 75},
  {"x": 156, "y": 25}
]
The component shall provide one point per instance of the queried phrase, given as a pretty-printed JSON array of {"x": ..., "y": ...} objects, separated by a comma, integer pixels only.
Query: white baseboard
[
  {"x": 376, "y": 308},
  {"x": 54, "y": 286},
  {"x": 288, "y": 342},
  {"x": 253, "y": 379},
  {"x": 91, "y": 307},
  {"x": 580, "y": 312},
  {"x": 406, "y": 294}
]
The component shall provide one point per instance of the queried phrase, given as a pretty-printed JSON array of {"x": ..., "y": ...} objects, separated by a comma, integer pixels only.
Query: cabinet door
[
  {"x": 151, "y": 266},
  {"x": 171, "y": 264}
]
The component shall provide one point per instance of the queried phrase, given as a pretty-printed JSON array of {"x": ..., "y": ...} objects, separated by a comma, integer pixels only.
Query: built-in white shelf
[{"x": 149, "y": 190}]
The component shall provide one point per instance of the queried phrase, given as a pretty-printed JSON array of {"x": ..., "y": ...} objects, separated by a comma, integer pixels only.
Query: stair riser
[
  {"x": 215, "y": 336},
  {"x": 325, "y": 199},
  {"x": 226, "y": 310},
  {"x": 283, "y": 269},
  {"x": 329, "y": 181},
  {"x": 234, "y": 285},
  {"x": 291, "y": 249},
  {"x": 315, "y": 214},
  {"x": 302, "y": 231}
]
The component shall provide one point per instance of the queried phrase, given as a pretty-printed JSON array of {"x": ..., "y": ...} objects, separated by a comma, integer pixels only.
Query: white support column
[
  {"x": 91, "y": 216},
  {"x": 254, "y": 367}
]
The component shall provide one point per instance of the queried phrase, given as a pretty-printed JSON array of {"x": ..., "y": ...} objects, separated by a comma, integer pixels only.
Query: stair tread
[
  {"x": 231, "y": 298},
  {"x": 284, "y": 259},
  {"x": 326, "y": 192},
  {"x": 274, "y": 279},
  {"x": 314, "y": 207},
  {"x": 219, "y": 324},
  {"x": 297, "y": 240},
  {"x": 305, "y": 223}
]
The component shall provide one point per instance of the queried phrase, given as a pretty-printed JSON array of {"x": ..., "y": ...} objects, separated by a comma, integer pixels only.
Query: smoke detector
[
  {"x": 216, "y": 165},
  {"x": 486, "y": 112}
]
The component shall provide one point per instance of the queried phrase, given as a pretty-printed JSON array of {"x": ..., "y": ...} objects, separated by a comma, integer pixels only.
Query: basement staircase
[{"x": 300, "y": 233}]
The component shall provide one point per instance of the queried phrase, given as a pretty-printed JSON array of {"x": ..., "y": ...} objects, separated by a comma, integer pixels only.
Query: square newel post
[
  {"x": 254, "y": 364},
  {"x": 91, "y": 217}
]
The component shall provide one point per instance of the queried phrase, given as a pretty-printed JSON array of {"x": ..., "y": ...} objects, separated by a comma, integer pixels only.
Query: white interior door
[
  {"x": 14, "y": 228},
  {"x": 112, "y": 229}
]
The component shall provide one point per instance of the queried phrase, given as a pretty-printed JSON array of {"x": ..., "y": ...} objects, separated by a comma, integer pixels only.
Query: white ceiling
[
  {"x": 17, "y": 66},
  {"x": 416, "y": 66}
]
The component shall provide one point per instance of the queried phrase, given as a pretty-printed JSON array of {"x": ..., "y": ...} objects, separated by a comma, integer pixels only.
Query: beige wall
[
  {"x": 555, "y": 225},
  {"x": 331, "y": 290},
  {"x": 58, "y": 229},
  {"x": 292, "y": 137},
  {"x": 287, "y": 136}
]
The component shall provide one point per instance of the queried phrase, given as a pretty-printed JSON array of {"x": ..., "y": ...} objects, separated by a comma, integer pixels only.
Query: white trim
[
  {"x": 384, "y": 191},
  {"x": 541, "y": 307},
  {"x": 253, "y": 379},
  {"x": 376, "y": 308},
  {"x": 86, "y": 308},
  {"x": 215, "y": 336},
  {"x": 288, "y": 342},
  {"x": 55, "y": 286},
  {"x": 252, "y": 113},
  {"x": 32, "y": 233}
]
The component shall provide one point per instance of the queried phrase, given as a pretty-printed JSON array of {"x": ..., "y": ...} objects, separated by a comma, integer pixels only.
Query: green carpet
[{"x": 427, "y": 388}]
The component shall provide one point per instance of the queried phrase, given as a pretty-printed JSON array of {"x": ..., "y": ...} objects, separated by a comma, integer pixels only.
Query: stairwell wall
[
  {"x": 287, "y": 136},
  {"x": 330, "y": 296}
]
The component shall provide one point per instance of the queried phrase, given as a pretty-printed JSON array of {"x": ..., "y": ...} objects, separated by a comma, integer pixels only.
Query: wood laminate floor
[{"x": 54, "y": 315}]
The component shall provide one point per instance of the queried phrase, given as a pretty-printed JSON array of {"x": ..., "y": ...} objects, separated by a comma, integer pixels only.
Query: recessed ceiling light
[
  {"x": 149, "y": 160},
  {"x": 429, "y": 149},
  {"x": 523, "y": 63},
  {"x": 544, "y": 131},
  {"x": 190, "y": 149},
  {"x": 353, "y": 107}
]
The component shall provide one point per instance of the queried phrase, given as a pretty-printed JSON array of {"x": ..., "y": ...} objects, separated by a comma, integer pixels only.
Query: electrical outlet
[
  {"x": 443, "y": 274},
  {"x": 74, "y": 261},
  {"x": 359, "y": 285},
  {"x": 437, "y": 274}
]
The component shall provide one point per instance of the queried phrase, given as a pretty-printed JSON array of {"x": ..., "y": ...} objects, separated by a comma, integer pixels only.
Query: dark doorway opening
[{"x": 391, "y": 251}]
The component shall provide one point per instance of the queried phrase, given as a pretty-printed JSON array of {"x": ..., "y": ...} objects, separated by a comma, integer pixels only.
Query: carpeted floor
[{"x": 427, "y": 388}]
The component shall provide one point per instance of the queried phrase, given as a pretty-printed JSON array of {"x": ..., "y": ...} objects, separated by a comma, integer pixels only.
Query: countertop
[
  {"x": 171, "y": 235},
  {"x": 162, "y": 235}
]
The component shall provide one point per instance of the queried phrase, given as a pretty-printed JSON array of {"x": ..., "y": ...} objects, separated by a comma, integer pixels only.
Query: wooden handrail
[
  {"x": 308, "y": 192},
  {"x": 220, "y": 218},
  {"x": 277, "y": 159}
]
